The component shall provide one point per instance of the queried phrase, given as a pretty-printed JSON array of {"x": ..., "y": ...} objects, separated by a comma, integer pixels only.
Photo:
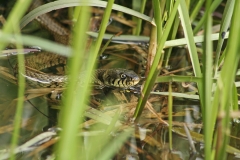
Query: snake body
[{"x": 117, "y": 77}]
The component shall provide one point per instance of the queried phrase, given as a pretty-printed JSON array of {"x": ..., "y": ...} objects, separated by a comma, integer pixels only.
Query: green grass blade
[
  {"x": 9, "y": 27},
  {"x": 20, "y": 102},
  {"x": 168, "y": 44},
  {"x": 101, "y": 141},
  {"x": 222, "y": 134},
  {"x": 44, "y": 44},
  {"x": 103, "y": 27},
  {"x": 214, "y": 5},
  {"x": 109, "y": 151},
  {"x": 226, "y": 79},
  {"x": 184, "y": 16},
  {"x": 156, "y": 33},
  {"x": 73, "y": 109},
  {"x": 14, "y": 17},
  {"x": 121, "y": 38},
  {"x": 138, "y": 28},
  {"x": 234, "y": 98},
  {"x": 175, "y": 78},
  {"x": 196, "y": 39},
  {"x": 154, "y": 71},
  {"x": 99, "y": 116},
  {"x": 170, "y": 103},
  {"x": 172, "y": 36},
  {"x": 72, "y": 3},
  {"x": 207, "y": 81},
  {"x": 179, "y": 95},
  {"x": 196, "y": 9},
  {"x": 158, "y": 18},
  {"x": 227, "y": 15}
]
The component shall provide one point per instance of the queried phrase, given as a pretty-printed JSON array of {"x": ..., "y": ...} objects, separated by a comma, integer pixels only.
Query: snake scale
[{"x": 117, "y": 77}]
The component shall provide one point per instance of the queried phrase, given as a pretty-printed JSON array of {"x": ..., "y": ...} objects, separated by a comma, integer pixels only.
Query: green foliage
[{"x": 216, "y": 89}]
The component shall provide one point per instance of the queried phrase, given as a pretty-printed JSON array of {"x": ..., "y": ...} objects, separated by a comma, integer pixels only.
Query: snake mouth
[{"x": 135, "y": 80}]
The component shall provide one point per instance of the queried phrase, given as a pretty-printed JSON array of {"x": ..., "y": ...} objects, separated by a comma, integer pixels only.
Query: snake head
[{"x": 121, "y": 78}]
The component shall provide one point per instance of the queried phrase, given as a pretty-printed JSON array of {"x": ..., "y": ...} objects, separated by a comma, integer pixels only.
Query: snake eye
[{"x": 123, "y": 76}]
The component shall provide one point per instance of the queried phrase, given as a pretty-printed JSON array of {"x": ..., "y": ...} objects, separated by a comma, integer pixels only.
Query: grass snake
[{"x": 117, "y": 77}]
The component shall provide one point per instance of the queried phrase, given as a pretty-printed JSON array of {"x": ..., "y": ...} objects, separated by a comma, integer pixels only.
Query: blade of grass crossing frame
[
  {"x": 173, "y": 36},
  {"x": 106, "y": 45},
  {"x": 223, "y": 123},
  {"x": 184, "y": 16},
  {"x": 76, "y": 13},
  {"x": 73, "y": 104},
  {"x": 226, "y": 79},
  {"x": 221, "y": 59},
  {"x": 175, "y": 78},
  {"x": 20, "y": 102},
  {"x": 96, "y": 47},
  {"x": 157, "y": 18},
  {"x": 213, "y": 6},
  {"x": 169, "y": 6},
  {"x": 14, "y": 17},
  {"x": 170, "y": 103},
  {"x": 154, "y": 71},
  {"x": 114, "y": 146},
  {"x": 196, "y": 9},
  {"x": 101, "y": 141},
  {"x": 44, "y": 44},
  {"x": 227, "y": 15},
  {"x": 207, "y": 79},
  {"x": 10, "y": 26},
  {"x": 72, "y": 3},
  {"x": 234, "y": 98},
  {"x": 137, "y": 29}
]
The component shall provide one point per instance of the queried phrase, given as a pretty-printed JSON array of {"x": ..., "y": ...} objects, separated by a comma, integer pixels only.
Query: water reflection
[{"x": 32, "y": 120}]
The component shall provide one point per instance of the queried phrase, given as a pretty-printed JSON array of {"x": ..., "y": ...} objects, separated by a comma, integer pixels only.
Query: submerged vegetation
[{"x": 185, "y": 106}]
